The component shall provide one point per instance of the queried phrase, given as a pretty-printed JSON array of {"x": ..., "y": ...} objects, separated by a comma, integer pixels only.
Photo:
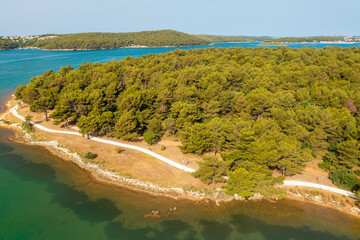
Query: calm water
[{"x": 43, "y": 197}]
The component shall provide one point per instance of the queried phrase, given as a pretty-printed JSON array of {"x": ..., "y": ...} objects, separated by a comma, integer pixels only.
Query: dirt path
[
  {"x": 172, "y": 163},
  {"x": 161, "y": 158},
  {"x": 319, "y": 186}
]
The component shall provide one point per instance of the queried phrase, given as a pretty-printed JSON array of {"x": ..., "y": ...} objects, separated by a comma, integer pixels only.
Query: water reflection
[
  {"x": 214, "y": 230},
  {"x": 100, "y": 210},
  {"x": 248, "y": 225},
  {"x": 169, "y": 229},
  {"x": 20, "y": 167}
]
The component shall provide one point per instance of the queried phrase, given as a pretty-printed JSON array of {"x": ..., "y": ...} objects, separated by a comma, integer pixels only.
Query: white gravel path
[
  {"x": 319, "y": 186},
  {"x": 175, "y": 164},
  {"x": 161, "y": 158}
]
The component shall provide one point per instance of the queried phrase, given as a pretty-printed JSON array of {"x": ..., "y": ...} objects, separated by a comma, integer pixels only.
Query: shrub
[
  {"x": 305, "y": 144},
  {"x": 187, "y": 188},
  {"x": 357, "y": 172},
  {"x": 343, "y": 178},
  {"x": 27, "y": 127},
  {"x": 211, "y": 170},
  {"x": 56, "y": 122},
  {"x": 327, "y": 166},
  {"x": 163, "y": 148},
  {"x": 150, "y": 137},
  {"x": 6, "y": 122},
  {"x": 119, "y": 149},
  {"x": 328, "y": 162},
  {"x": 357, "y": 194},
  {"x": 90, "y": 155}
]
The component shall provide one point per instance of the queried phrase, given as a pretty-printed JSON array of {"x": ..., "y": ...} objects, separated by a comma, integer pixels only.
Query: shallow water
[{"x": 44, "y": 197}]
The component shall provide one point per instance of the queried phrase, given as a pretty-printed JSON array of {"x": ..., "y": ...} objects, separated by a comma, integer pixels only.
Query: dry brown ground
[
  {"x": 312, "y": 173},
  {"x": 129, "y": 162}
]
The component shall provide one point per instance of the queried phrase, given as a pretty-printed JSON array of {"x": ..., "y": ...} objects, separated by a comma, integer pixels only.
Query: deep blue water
[{"x": 42, "y": 197}]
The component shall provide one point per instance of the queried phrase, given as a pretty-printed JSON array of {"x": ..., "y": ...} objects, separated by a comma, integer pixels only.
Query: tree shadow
[
  {"x": 213, "y": 230},
  {"x": 66, "y": 196},
  {"x": 247, "y": 225},
  {"x": 94, "y": 211},
  {"x": 170, "y": 229},
  {"x": 5, "y": 148},
  {"x": 20, "y": 167}
]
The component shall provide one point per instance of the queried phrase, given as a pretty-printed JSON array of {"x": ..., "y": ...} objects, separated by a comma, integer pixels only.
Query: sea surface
[{"x": 44, "y": 197}]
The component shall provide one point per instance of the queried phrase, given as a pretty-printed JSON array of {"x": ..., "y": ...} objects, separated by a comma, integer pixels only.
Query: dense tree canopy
[
  {"x": 220, "y": 38},
  {"x": 272, "y": 108},
  {"x": 118, "y": 40},
  {"x": 6, "y": 44},
  {"x": 305, "y": 39},
  {"x": 161, "y": 38}
]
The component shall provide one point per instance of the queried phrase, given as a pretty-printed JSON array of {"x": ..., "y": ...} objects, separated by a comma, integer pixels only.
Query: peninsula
[{"x": 252, "y": 128}]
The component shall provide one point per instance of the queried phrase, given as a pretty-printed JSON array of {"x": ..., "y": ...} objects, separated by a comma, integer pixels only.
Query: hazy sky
[{"x": 223, "y": 17}]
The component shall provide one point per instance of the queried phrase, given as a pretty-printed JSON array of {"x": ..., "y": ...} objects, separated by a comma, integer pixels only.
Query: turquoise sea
[{"x": 44, "y": 197}]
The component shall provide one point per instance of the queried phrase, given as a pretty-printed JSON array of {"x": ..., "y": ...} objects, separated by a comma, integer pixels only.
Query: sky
[{"x": 277, "y": 18}]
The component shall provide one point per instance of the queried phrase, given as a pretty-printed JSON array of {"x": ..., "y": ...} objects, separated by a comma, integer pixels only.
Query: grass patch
[
  {"x": 6, "y": 122},
  {"x": 119, "y": 149},
  {"x": 90, "y": 155},
  {"x": 56, "y": 122}
]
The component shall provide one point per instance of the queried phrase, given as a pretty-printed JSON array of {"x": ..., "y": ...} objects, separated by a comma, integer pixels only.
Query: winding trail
[
  {"x": 175, "y": 164},
  {"x": 155, "y": 155},
  {"x": 319, "y": 186}
]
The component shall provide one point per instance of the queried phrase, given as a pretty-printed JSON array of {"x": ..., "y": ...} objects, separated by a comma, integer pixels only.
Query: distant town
[
  {"x": 29, "y": 37},
  {"x": 160, "y": 38},
  {"x": 49, "y": 36},
  {"x": 352, "y": 38}
]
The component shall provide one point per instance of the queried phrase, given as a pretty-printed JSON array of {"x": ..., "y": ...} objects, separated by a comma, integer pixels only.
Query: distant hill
[
  {"x": 6, "y": 44},
  {"x": 305, "y": 39},
  {"x": 220, "y": 38},
  {"x": 160, "y": 38}
]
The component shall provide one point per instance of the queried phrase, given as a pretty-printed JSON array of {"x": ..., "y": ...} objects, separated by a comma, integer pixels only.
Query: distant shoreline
[
  {"x": 260, "y": 44},
  {"x": 322, "y": 42},
  {"x": 138, "y": 46}
]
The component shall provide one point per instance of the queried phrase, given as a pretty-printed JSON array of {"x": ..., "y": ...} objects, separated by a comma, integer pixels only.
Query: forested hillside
[
  {"x": 161, "y": 38},
  {"x": 118, "y": 40},
  {"x": 8, "y": 44},
  {"x": 255, "y": 110},
  {"x": 305, "y": 39},
  {"x": 220, "y": 38}
]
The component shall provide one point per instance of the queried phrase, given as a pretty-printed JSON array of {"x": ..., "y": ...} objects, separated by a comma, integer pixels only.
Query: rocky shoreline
[{"x": 109, "y": 177}]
